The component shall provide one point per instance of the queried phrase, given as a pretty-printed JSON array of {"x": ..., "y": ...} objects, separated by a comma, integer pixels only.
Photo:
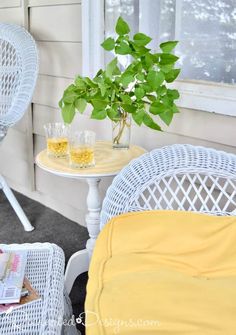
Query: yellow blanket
[{"x": 163, "y": 272}]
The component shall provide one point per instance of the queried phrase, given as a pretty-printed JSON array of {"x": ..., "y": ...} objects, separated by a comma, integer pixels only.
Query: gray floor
[{"x": 49, "y": 227}]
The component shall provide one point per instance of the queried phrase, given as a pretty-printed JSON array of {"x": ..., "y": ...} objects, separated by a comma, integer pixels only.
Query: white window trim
[
  {"x": 206, "y": 96},
  {"x": 92, "y": 36}
]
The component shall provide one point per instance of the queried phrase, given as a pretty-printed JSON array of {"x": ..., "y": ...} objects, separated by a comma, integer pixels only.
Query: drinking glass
[
  {"x": 57, "y": 139},
  {"x": 81, "y": 149}
]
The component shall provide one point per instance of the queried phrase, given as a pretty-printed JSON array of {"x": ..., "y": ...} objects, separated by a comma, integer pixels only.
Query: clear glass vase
[{"x": 121, "y": 131}]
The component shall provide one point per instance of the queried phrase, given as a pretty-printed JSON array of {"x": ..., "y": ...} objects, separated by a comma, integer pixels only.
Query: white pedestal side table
[{"x": 109, "y": 162}]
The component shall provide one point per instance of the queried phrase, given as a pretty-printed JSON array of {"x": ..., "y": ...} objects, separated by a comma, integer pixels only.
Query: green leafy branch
[{"x": 141, "y": 89}]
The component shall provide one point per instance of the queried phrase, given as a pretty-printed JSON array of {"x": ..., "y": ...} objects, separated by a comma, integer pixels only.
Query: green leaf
[
  {"x": 173, "y": 94},
  {"x": 126, "y": 78},
  {"x": 123, "y": 49},
  {"x": 126, "y": 99},
  {"x": 116, "y": 107},
  {"x": 139, "y": 93},
  {"x": 102, "y": 87},
  {"x": 111, "y": 67},
  {"x": 172, "y": 75},
  {"x": 129, "y": 108},
  {"x": 167, "y": 59},
  {"x": 167, "y": 100},
  {"x": 157, "y": 107},
  {"x": 166, "y": 68},
  {"x": 71, "y": 88},
  {"x": 122, "y": 27},
  {"x": 113, "y": 114},
  {"x": 140, "y": 50},
  {"x": 138, "y": 116},
  {"x": 151, "y": 97},
  {"x": 148, "y": 60},
  {"x": 99, "y": 73},
  {"x": 60, "y": 103},
  {"x": 140, "y": 76},
  {"x": 168, "y": 46},
  {"x": 141, "y": 39},
  {"x": 155, "y": 79},
  {"x": 148, "y": 121},
  {"x": 161, "y": 90},
  {"x": 116, "y": 71},
  {"x": 175, "y": 109},
  {"x": 68, "y": 113},
  {"x": 108, "y": 44},
  {"x": 147, "y": 88},
  {"x": 80, "y": 83},
  {"x": 89, "y": 82},
  {"x": 99, "y": 104},
  {"x": 80, "y": 104},
  {"x": 93, "y": 92},
  {"x": 113, "y": 95},
  {"x": 167, "y": 116},
  {"x": 98, "y": 114},
  {"x": 69, "y": 97}
]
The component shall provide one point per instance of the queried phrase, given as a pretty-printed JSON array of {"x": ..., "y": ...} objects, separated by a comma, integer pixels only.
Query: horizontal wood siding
[
  {"x": 60, "y": 51},
  {"x": 56, "y": 26},
  {"x": 56, "y": 23},
  {"x": 11, "y": 15},
  {"x": 49, "y": 90},
  {"x": 56, "y": 59},
  {"x": 10, "y": 4}
]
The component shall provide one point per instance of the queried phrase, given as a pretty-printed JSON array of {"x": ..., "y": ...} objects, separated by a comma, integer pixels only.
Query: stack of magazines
[{"x": 15, "y": 288}]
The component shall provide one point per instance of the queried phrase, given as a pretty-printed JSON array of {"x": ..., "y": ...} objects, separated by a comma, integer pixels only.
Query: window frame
[
  {"x": 92, "y": 36},
  {"x": 199, "y": 95}
]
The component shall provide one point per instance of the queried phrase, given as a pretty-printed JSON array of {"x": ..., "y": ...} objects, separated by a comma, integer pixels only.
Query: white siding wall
[{"x": 56, "y": 26}]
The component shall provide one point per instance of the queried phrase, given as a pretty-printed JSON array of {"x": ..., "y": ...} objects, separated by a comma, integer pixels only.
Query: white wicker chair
[
  {"x": 177, "y": 177},
  {"x": 18, "y": 74},
  {"x": 180, "y": 177}
]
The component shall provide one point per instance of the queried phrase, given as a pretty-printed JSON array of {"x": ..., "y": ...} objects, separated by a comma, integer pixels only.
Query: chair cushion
[{"x": 163, "y": 272}]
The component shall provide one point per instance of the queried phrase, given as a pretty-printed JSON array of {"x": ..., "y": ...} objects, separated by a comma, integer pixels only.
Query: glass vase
[{"x": 121, "y": 131}]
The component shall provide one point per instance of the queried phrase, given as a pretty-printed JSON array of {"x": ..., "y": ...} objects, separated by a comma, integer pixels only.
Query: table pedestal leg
[
  {"x": 79, "y": 261},
  {"x": 94, "y": 208}
]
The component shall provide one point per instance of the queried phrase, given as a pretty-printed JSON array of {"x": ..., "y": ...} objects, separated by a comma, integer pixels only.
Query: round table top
[{"x": 108, "y": 161}]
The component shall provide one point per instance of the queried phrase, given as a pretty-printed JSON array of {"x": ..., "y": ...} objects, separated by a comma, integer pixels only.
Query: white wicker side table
[
  {"x": 109, "y": 162},
  {"x": 45, "y": 270}
]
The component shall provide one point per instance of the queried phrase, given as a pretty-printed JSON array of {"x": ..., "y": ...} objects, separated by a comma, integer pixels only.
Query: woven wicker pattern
[
  {"x": 180, "y": 177},
  {"x": 45, "y": 270},
  {"x": 18, "y": 73}
]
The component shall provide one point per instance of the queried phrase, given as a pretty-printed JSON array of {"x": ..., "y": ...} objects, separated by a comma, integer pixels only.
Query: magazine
[
  {"x": 12, "y": 272},
  {"x": 29, "y": 296}
]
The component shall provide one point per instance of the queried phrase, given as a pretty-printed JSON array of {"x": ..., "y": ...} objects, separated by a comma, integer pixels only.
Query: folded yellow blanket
[{"x": 163, "y": 272}]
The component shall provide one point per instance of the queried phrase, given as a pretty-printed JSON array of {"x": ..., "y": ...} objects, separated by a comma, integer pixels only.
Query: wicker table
[
  {"x": 45, "y": 270},
  {"x": 109, "y": 162}
]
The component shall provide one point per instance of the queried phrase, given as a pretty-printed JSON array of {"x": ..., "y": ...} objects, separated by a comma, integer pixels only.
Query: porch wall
[{"x": 56, "y": 26}]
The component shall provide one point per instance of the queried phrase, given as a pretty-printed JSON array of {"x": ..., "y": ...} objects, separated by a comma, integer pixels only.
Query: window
[{"x": 206, "y": 29}]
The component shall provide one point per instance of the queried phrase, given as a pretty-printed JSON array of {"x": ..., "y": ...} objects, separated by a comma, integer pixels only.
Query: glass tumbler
[
  {"x": 81, "y": 149},
  {"x": 57, "y": 139}
]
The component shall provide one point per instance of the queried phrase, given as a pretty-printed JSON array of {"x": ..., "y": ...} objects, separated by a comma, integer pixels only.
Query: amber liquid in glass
[
  {"x": 57, "y": 147},
  {"x": 81, "y": 157}
]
